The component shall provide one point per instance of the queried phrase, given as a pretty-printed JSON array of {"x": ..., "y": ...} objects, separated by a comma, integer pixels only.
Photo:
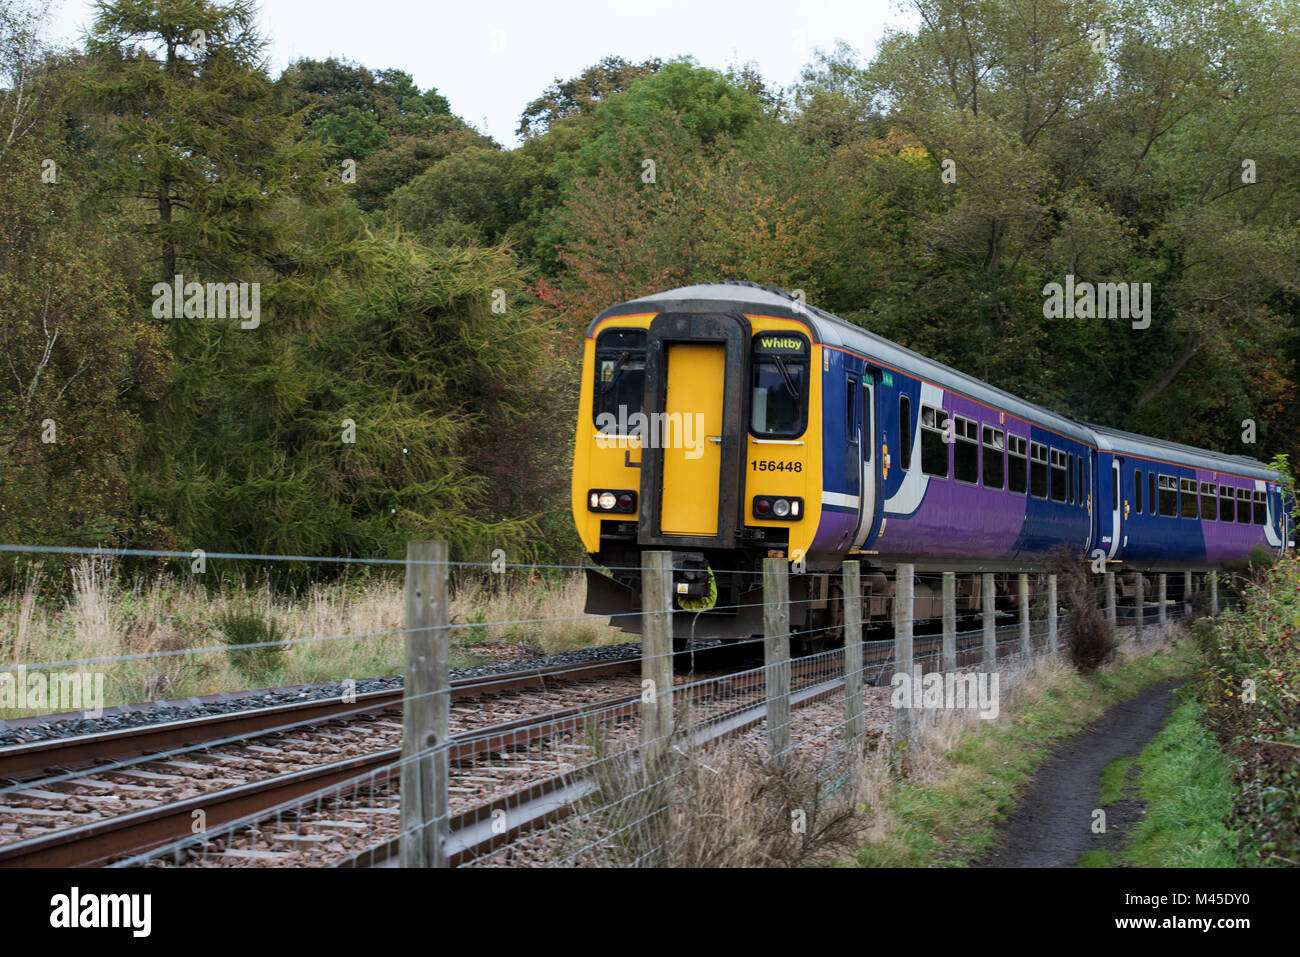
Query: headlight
[
  {"x": 788, "y": 508},
  {"x": 611, "y": 500}
]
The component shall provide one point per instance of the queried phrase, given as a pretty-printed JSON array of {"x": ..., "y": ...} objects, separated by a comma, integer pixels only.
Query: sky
[{"x": 491, "y": 58}]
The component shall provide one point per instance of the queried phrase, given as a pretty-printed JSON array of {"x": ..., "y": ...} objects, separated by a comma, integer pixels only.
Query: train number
[{"x": 769, "y": 466}]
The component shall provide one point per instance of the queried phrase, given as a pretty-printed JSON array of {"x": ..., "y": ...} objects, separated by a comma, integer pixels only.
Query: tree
[
  {"x": 1107, "y": 141},
  {"x": 330, "y": 87},
  {"x": 746, "y": 212},
  {"x": 76, "y": 360},
  {"x": 191, "y": 129},
  {"x": 581, "y": 95}
]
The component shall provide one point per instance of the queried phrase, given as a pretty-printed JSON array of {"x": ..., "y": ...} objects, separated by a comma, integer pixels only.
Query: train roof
[
  {"x": 1130, "y": 443},
  {"x": 831, "y": 330}
]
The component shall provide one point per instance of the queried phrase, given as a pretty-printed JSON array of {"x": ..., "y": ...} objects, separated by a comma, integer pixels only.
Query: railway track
[
  {"x": 530, "y": 773},
  {"x": 85, "y": 799},
  {"x": 518, "y": 740}
]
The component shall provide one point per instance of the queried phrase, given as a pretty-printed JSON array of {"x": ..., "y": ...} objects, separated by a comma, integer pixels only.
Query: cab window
[
  {"x": 620, "y": 379},
  {"x": 779, "y": 384}
]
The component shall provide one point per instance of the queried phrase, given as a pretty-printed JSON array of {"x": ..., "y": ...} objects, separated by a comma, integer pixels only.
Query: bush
[
  {"x": 243, "y": 628},
  {"x": 1092, "y": 639},
  {"x": 1250, "y": 686}
]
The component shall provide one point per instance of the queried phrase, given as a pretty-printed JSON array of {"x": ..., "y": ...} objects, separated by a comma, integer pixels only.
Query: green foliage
[
  {"x": 466, "y": 199},
  {"x": 1117, "y": 161},
  {"x": 704, "y": 103},
  {"x": 332, "y": 87},
  {"x": 1281, "y": 463},
  {"x": 251, "y": 636},
  {"x": 193, "y": 134},
  {"x": 1249, "y": 687},
  {"x": 580, "y": 95},
  {"x": 78, "y": 361},
  {"x": 407, "y": 156},
  {"x": 351, "y": 134}
]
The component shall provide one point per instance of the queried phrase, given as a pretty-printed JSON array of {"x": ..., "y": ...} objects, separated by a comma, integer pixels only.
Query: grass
[
  {"x": 106, "y": 616},
  {"x": 1114, "y": 779},
  {"x": 1097, "y": 858},
  {"x": 964, "y": 778},
  {"x": 1187, "y": 784}
]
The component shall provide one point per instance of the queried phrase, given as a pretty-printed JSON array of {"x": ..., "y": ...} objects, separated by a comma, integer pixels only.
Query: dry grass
[
  {"x": 106, "y": 616},
  {"x": 530, "y": 601},
  {"x": 724, "y": 805}
]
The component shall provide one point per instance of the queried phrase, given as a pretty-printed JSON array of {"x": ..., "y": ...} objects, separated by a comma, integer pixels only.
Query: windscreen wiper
[{"x": 785, "y": 375}]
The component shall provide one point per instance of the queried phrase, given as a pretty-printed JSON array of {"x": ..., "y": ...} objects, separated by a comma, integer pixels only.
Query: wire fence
[{"x": 689, "y": 767}]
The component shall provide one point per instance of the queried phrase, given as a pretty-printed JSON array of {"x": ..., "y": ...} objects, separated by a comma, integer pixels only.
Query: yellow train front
[{"x": 694, "y": 436}]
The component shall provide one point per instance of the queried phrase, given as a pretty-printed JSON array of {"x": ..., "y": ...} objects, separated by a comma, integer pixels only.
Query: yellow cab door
[{"x": 691, "y": 433}]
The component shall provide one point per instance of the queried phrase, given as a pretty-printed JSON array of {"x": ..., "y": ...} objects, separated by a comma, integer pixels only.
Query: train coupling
[{"x": 690, "y": 575}]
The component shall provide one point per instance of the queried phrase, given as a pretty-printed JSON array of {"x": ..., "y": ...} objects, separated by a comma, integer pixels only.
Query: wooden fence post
[
  {"x": 656, "y": 659},
  {"x": 426, "y": 708},
  {"x": 1187, "y": 593},
  {"x": 853, "y": 722},
  {"x": 1139, "y": 605},
  {"x": 1162, "y": 593},
  {"x": 904, "y": 607},
  {"x": 776, "y": 653},
  {"x": 1214, "y": 592},
  {"x": 949, "y": 652},
  {"x": 1026, "y": 647},
  {"x": 1110, "y": 599},
  {"x": 990, "y": 619},
  {"x": 1053, "y": 624}
]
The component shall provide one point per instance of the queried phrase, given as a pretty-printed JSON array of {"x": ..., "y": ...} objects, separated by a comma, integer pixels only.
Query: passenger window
[
  {"x": 994, "y": 458},
  {"x": 934, "y": 447},
  {"x": 1037, "y": 470},
  {"x": 1058, "y": 475},
  {"x": 966, "y": 451},
  {"x": 1209, "y": 501},
  {"x": 1137, "y": 491},
  {"x": 1168, "y": 495},
  {"x": 1261, "y": 509},
  {"x": 1243, "y": 507},
  {"x": 1071, "y": 470},
  {"x": 1226, "y": 508},
  {"x": 1017, "y": 462},
  {"x": 1188, "y": 496}
]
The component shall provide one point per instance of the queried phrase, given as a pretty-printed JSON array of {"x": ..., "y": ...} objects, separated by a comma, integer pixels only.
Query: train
[{"x": 731, "y": 422}]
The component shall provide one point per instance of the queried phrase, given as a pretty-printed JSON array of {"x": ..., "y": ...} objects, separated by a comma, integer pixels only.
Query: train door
[
  {"x": 1088, "y": 492},
  {"x": 1116, "y": 516},
  {"x": 852, "y": 438},
  {"x": 867, "y": 480},
  {"x": 692, "y": 470}
]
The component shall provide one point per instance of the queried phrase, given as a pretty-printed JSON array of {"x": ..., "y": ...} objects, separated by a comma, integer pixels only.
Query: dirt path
[{"x": 1052, "y": 825}]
